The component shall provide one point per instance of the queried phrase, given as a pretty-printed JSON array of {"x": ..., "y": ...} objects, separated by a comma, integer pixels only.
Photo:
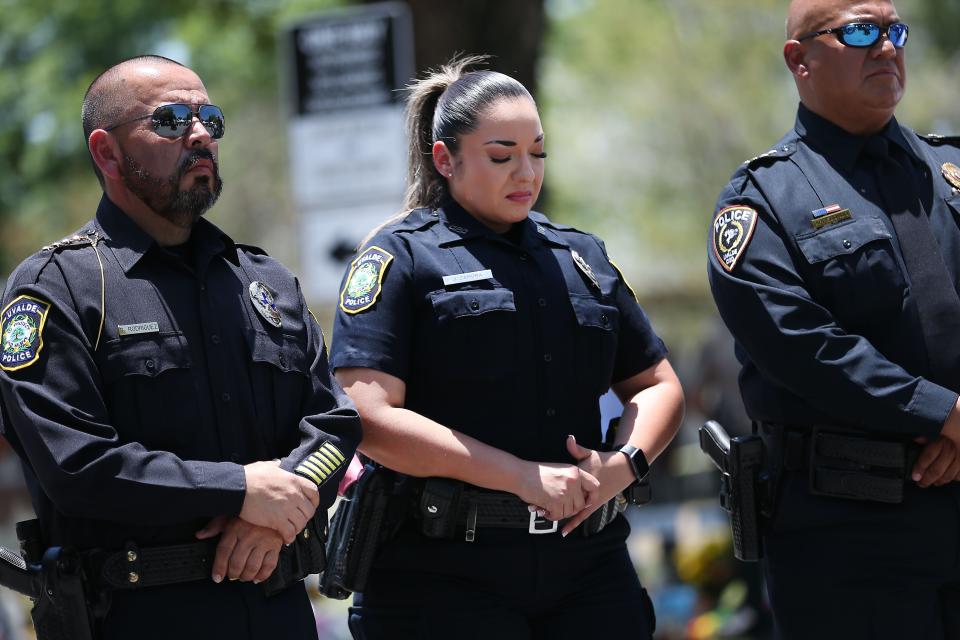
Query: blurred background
[{"x": 648, "y": 107}]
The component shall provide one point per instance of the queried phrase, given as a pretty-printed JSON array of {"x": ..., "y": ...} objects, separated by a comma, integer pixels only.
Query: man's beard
[{"x": 164, "y": 196}]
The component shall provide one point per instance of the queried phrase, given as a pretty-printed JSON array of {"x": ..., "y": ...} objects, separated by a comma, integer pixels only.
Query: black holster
[
  {"x": 368, "y": 515},
  {"x": 744, "y": 488}
]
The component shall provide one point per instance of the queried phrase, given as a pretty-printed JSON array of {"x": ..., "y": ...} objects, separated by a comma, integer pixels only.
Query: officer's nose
[{"x": 197, "y": 135}]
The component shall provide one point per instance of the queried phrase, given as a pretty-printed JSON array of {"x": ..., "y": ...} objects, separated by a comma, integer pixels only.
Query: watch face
[{"x": 637, "y": 460}]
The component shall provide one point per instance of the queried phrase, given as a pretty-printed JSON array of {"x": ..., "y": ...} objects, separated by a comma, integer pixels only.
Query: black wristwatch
[{"x": 638, "y": 461}]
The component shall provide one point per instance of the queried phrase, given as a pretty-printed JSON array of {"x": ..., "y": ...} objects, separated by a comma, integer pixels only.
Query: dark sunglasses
[
  {"x": 865, "y": 34},
  {"x": 174, "y": 120}
]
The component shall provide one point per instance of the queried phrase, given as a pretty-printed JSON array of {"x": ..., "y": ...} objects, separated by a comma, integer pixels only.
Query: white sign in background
[{"x": 346, "y": 136}]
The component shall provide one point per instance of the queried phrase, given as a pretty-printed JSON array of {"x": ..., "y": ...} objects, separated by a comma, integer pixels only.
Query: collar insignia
[
  {"x": 263, "y": 303},
  {"x": 952, "y": 173},
  {"x": 21, "y": 332},
  {"x": 826, "y": 216},
  {"x": 585, "y": 269},
  {"x": 732, "y": 229},
  {"x": 365, "y": 281}
]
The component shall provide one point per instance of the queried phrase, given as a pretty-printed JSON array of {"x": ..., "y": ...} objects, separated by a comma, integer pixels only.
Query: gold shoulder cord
[{"x": 103, "y": 291}]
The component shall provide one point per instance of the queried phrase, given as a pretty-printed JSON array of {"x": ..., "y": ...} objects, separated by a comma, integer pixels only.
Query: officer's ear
[
  {"x": 442, "y": 158},
  {"x": 106, "y": 153},
  {"x": 793, "y": 55}
]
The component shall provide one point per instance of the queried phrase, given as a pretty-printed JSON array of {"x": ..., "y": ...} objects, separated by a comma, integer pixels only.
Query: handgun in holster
[
  {"x": 53, "y": 581},
  {"x": 368, "y": 515},
  {"x": 743, "y": 485}
]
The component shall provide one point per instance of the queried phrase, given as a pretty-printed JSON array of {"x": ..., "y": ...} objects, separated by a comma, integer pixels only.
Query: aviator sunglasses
[
  {"x": 865, "y": 34},
  {"x": 174, "y": 120}
]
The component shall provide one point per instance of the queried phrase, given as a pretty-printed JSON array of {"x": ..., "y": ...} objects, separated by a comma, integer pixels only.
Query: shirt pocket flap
[
  {"x": 591, "y": 312},
  {"x": 283, "y": 351},
  {"x": 842, "y": 239},
  {"x": 471, "y": 302},
  {"x": 143, "y": 357}
]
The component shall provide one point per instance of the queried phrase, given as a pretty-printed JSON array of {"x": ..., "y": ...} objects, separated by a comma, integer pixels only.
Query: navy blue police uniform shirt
[
  {"x": 807, "y": 273},
  {"x": 508, "y": 339},
  {"x": 135, "y": 399}
]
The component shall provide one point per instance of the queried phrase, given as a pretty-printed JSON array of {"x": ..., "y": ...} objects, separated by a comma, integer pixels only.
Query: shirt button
[
  {"x": 225, "y": 396},
  {"x": 203, "y": 287},
  {"x": 151, "y": 365},
  {"x": 542, "y": 302},
  {"x": 846, "y": 244},
  {"x": 547, "y": 357},
  {"x": 604, "y": 319},
  {"x": 524, "y": 256},
  {"x": 215, "y": 339},
  {"x": 551, "y": 412},
  {"x": 474, "y": 305}
]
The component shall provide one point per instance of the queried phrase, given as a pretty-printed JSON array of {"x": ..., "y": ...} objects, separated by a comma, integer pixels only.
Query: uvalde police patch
[
  {"x": 21, "y": 331},
  {"x": 365, "y": 280},
  {"x": 732, "y": 230}
]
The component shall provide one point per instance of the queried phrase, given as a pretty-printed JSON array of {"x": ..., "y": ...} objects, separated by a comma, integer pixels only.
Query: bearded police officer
[
  {"x": 834, "y": 260},
  {"x": 163, "y": 384}
]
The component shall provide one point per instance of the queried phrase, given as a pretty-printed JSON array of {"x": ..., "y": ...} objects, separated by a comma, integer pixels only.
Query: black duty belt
[
  {"x": 137, "y": 568},
  {"x": 844, "y": 464},
  {"x": 448, "y": 507}
]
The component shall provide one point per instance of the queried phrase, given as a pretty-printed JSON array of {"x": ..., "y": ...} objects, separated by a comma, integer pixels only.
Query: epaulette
[
  {"x": 774, "y": 154},
  {"x": 250, "y": 248},
  {"x": 78, "y": 240},
  {"x": 415, "y": 220},
  {"x": 937, "y": 139},
  {"x": 541, "y": 219}
]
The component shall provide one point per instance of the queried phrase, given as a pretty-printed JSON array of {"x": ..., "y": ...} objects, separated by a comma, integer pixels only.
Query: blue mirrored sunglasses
[
  {"x": 865, "y": 34},
  {"x": 174, "y": 120}
]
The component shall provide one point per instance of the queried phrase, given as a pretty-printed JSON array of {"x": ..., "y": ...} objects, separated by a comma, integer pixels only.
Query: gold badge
[{"x": 952, "y": 173}]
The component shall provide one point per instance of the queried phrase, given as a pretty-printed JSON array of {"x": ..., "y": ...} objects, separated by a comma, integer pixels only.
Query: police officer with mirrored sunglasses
[
  {"x": 834, "y": 259},
  {"x": 168, "y": 393}
]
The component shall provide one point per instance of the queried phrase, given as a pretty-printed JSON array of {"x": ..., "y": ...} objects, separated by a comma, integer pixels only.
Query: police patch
[
  {"x": 364, "y": 282},
  {"x": 21, "y": 328},
  {"x": 732, "y": 229}
]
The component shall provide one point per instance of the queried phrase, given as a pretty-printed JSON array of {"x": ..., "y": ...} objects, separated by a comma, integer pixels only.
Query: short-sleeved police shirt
[
  {"x": 509, "y": 339},
  {"x": 807, "y": 272},
  {"x": 148, "y": 377}
]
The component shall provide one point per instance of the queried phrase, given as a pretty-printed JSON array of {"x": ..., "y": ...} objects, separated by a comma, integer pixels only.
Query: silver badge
[
  {"x": 585, "y": 268},
  {"x": 263, "y": 303}
]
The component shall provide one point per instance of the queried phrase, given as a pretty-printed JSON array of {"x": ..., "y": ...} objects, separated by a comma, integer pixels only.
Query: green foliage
[
  {"x": 650, "y": 105},
  {"x": 51, "y": 51}
]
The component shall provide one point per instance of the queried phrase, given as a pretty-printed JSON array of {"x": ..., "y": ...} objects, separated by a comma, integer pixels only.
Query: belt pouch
[
  {"x": 857, "y": 468},
  {"x": 439, "y": 506}
]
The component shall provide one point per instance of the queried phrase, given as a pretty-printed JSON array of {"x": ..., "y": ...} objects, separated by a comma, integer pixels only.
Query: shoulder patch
[
  {"x": 365, "y": 280},
  {"x": 732, "y": 229},
  {"x": 21, "y": 328}
]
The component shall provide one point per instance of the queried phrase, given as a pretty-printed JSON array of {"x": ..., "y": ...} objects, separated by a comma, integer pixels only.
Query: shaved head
[
  {"x": 111, "y": 95},
  {"x": 805, "y": 16}
]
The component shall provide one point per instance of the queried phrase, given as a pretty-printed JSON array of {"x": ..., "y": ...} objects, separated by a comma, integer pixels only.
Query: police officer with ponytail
[{"x": 475, "y": 337}]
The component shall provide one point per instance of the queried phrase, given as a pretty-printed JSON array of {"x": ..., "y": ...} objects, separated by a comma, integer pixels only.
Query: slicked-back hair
[
  {"x": 445, "y": 104},
  {"x": 105, "y": 100}
]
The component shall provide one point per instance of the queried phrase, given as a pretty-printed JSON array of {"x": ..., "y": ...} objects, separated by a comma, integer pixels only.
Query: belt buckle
[{"x": 535, "y": 519}]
